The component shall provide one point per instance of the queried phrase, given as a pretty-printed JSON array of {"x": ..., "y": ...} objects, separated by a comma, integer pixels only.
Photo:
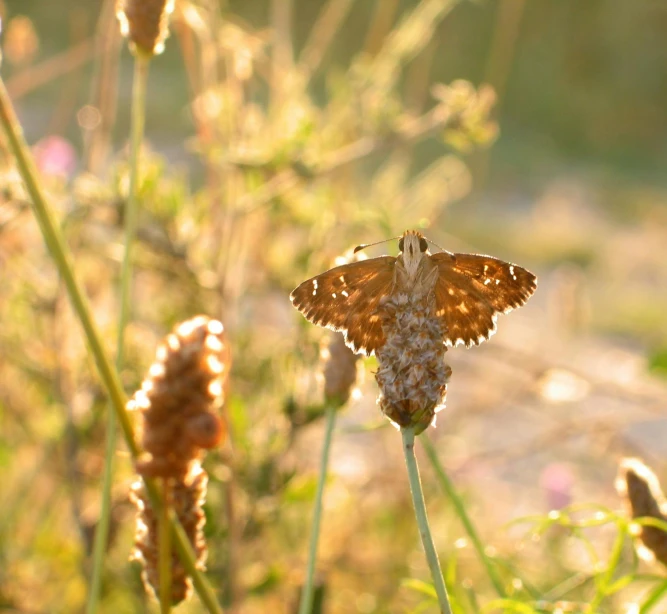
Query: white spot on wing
[{"x": 344, "y": 293}]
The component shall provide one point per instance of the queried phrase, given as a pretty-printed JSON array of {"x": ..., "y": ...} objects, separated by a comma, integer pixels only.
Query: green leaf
[
  {"x": 419, "y": 586},
  {"x": 300, "y": 490}
]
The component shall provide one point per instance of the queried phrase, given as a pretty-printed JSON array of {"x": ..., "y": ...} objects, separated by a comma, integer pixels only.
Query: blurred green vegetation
[
  {"x": 255, "y": 175},
  {"x": 579, "y": 82}
]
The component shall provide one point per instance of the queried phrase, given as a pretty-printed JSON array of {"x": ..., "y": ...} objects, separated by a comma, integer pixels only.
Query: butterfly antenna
[
  {"x": 436, "y": 245},
  {"x": 358, "y": 248},
  {"x": 442, "y": 250}
]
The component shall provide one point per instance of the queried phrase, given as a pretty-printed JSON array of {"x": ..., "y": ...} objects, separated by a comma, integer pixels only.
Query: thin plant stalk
[
  {"x": 131, "y": 211},
  {"x": 59, "y": 251},
  {"x": 141, "y": 64},
  {"x": 460, "y": 509},
  {"x": 331, "y": 17},
  {"x": 306, "y": 605},
  {"x": 282, "y": 13},
  {"x": 164, "y": 551},
  {"x": 654, "y": 598},
  {"x": 422, "y": 519}
]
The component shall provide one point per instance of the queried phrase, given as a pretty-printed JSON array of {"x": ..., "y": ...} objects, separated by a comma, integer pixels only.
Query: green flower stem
[
  {"x": 164, "y": 551},
  {"x": 137, "y": 130},
  {"x": 61, "y": 256},
  {"x": 187, "y": 556},
  {"x": 306, "y": 605},
  {"x": 460, "y": 508},
  {"x": 141, "y": 64},
  {"x": 422, "y": 520}
]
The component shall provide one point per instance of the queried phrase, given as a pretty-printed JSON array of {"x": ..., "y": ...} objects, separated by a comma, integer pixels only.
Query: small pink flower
[
  {"x": 55, "y": 155},
  {"x": 557, "y": 481}
]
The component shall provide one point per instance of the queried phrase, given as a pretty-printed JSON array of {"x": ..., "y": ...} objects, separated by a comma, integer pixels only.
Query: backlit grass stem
[
  {"x": 130, "y": 217},
  {"x": 460, "y": 509},
  {"x": 306, "y": 604},
  {"x": 164, "y": 550},
  {"x": 408, "y": 434},
  {"x": 63, "y": 260}
]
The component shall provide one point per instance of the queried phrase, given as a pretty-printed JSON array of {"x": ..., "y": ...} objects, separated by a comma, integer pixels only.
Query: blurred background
[{"x": 279, "y": 135}]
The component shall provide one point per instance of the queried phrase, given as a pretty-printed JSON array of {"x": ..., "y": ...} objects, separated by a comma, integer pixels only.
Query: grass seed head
[
  {"x": 145, "y": 23},
  {"x": 339, "y": 369},
  {"x": 179, "y": 403},
  {"x": 186, "y": 497},
  {"x": 180, "y": 398},
  {"x": 641, "y": 489},
  {"x": 412, "y": 380}
]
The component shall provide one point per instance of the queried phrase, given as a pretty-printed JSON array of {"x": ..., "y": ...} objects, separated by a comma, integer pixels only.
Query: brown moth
[{"x": 470, "y": 290}]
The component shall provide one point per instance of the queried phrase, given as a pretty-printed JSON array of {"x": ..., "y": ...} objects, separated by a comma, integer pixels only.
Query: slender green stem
[
  {"x": 604, "y": 580},
  {"x": 306, "y": 605},
  {"x": 460, "y": 508},
  {"x": 60, "y": 253},
  {"x": 422, "y": 520},
  {"x": 102, "y": 529},
  {"x": 137, "y": 130},
  {"x": 187, "y": 556},
  {"x": 141, "y": 64},
  {"x": 654, "y": 598},
  {"x": 164, "y": 550}
]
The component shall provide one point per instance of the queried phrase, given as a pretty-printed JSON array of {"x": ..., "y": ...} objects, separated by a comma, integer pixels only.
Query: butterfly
[{"x": 470, "y": 290}]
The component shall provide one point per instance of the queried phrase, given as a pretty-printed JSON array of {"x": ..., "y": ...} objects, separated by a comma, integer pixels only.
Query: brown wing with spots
[
  {"x": 472, "y": 290},
  {"x": 346, "y": 299}
]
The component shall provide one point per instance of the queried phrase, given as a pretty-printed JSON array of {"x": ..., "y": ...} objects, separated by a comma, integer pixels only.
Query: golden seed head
[
  {"x": 145, "y": 23},
  {"x": 412, "y": 376},
  {"x": 178, "y": 403},
  {"x": 180, "y": 398},
  {"x": 21, "y": 42},
  {"x": 186, "y": 497},
  {"x": 339, "y": 369},
  {"x": 641, "y": 489}
]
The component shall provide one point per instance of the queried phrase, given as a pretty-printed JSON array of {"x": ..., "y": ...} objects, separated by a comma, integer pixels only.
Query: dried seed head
[
  {"x": 412, "y": 374},
  {"x": 180, "y": 398},
  {"x": 339, "y": 369},
  {"x": 641, "y": 489},
  {"x": 21, "y": 42},
  {"x": 145, "y": 23},
  {"x": 186, "y": 497},
  {"x": 179, "y": 402}
]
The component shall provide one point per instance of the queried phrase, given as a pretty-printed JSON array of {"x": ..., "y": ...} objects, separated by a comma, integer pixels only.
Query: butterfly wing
[
  {"x": 470, "y": 292},
  {"x": 346, "y": 299}
]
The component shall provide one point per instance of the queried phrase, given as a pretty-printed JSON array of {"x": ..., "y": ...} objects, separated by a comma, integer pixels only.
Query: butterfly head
[{"x": 413, "y": 247}]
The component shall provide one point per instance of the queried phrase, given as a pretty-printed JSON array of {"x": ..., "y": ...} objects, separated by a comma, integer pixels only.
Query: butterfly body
[
  {"x": 468, "y": 292},
  {"x": 414, "y": 270}
]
